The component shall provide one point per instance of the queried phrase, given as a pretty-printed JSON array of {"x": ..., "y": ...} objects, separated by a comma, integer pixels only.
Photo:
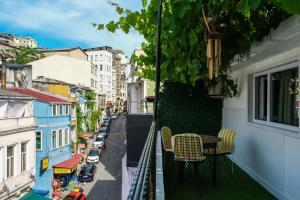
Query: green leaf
[
  {"x": 291, "y": 6},
  {"x": 253, "y": 4},
  {"x": 111, "y": 26},
  {"x": 100, "y": 26}
]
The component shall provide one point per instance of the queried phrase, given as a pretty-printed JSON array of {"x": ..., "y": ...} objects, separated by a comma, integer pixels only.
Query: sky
[{"x": 67, "y": 23}]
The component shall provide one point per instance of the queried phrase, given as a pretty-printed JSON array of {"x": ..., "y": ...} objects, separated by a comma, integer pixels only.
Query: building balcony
[
  {"x": 16, "y": 123},
  {"x": 157, "y": 176}
]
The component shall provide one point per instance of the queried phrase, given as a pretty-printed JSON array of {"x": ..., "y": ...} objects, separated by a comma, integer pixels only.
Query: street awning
[
  {"x": 67, "y": 166},
  {"x": 86, "y": 135},
  {"x": 81, "y": 146},
  {"x": 31, "y": 195}
]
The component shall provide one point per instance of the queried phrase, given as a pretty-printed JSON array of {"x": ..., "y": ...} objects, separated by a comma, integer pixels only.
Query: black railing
[{"x": 144, "y": 181}]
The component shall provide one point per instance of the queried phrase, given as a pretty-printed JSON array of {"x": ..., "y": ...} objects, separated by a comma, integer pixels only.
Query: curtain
[{"x": 287, "y": 113}]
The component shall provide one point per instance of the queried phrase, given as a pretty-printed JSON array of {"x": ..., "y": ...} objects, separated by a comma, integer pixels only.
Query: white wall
[
  {"x": 63, "y": 68},
  {"x": 270, "y": 155}
]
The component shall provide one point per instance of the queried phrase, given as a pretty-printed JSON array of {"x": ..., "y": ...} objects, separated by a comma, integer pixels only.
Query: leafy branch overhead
[{"x": 241, "y": 23}]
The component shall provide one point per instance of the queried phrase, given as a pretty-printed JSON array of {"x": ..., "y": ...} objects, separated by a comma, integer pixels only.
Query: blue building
[{"x": 53, "y": 137}]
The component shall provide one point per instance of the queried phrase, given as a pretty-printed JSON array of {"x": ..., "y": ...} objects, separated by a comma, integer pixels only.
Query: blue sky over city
[{"x": 67, "y": 23}]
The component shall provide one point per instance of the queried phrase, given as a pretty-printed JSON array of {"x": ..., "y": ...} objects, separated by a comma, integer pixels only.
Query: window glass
[
  {"x": 23, "y": 156},
  {"x": 61, "y": 109},
  {"x": 261, "y": 99},
  {"x": 54, "y": 110},
  {"x": 284, "y": 97},
  {"x": 10, "y": 161},
  {"x": 66, "y": 136},
  {"x": 60, "y": 137},
  {"x": 53, "y": 139},
  {"x": 38, "y": 140},
  {"x": 67, "y": 110}
]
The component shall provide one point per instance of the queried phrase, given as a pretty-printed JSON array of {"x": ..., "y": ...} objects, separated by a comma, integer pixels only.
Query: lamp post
[{"x": 158, "y": 59}]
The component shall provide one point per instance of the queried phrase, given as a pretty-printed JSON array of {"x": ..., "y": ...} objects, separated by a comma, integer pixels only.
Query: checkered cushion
[
  {"x": 166, "y": 135},
  {"x": 226, "y": 146},
  {"x": 187, "y": 147}
]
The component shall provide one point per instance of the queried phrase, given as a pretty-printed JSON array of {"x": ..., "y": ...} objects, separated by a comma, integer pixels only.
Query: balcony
[
  {"x": 153, "y": 180},
  {"x": 16, "y": 123}
]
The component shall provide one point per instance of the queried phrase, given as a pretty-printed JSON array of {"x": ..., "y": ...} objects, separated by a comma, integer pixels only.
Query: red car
[{"x": 75, "y": 196}]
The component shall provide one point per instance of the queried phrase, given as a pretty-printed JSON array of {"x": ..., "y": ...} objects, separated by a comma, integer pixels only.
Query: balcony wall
[{"x": 15, "y": 123}]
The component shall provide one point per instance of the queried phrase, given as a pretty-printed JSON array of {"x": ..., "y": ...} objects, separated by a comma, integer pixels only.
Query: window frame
[
  {"x": 54, "y": 106},
  {"x": 22, "y": 154},
  {"x": 12, "y": 160},
  {"x": 67, "y": 135},
  {"x": 41, "y": 149},
  {"x": 54, "y": 131},
  {"x": 268, "y": 72},
  {"x": 60, "y": 140}
]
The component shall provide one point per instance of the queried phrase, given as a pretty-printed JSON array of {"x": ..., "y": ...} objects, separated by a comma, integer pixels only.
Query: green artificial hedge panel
[{"x": 187, "y": 109}]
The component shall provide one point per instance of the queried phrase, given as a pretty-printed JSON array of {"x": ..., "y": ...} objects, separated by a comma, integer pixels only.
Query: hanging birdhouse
[{"x": 214, "y": 49}]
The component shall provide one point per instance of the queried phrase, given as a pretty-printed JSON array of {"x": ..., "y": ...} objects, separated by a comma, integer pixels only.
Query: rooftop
[
  {"x": 107, "y": 48},
  {"x": 40, "y": 96},
  {"x": 16, "y": 66},
  {"x": 5, "y": 95}
]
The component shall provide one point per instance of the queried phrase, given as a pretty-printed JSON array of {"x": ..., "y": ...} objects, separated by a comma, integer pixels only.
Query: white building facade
[
  {"x": 102, "y": 59},
  {"x": 67, "y": 69},
  {"x": 265, "y": 114},
  {"x": 17, "y": 145}
]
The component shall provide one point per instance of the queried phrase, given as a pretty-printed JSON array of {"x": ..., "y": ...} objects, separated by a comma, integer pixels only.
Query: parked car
[
  {"x": 99, "y": 142},
  {"x": 75, "y": 196},
  {"x": 93, "y": 156},
  {"x": 103, "y": 131},
  {"x": 87, "y": 173}
]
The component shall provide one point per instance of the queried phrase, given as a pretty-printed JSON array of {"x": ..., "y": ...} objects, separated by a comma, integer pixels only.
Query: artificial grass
[{"x": 239, "y": 187}]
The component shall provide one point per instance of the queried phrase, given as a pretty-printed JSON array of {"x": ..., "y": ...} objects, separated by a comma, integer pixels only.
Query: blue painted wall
[{"x": 47, "y": 123}]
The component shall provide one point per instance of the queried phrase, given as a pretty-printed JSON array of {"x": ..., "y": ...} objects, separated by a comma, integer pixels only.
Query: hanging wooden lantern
[{"x": 214, "y": 49}]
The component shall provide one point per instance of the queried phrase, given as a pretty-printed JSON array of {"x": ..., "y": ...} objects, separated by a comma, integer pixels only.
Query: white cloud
[{"x": 70, "y": 20}]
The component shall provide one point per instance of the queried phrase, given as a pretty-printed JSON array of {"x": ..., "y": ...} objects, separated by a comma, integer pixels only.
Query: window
[
  {"x": 38, "y": 143},
  {"x": 54, "y": 140},
  {"x": 101, "y": 57},
  {"x": 66, "y": 136},
  {"x": 54, "y": 110},
  {"x": 96, "y": 69},
  {"x": 284, "y": 93},
  {"x": 91, "y": 57},
  {"x": 10, "y": 161},
  {"x": 67, "y": 109},
  {"x": 96, "y": 57},
  {"x": 261, "y": 101},
  {"x": 276, "y": 99},
  {"x": 101, "y": 78},
  {"x": 92, "y": 82},
  {"x": 101, "y": 67},
  {"x": 23, "y": 156},
  {"x": 61, "y": 109},
  {"x": 92, "y": 69},
  {"x": 95, "y": 84},
  {"x": 60, "y": 137}
]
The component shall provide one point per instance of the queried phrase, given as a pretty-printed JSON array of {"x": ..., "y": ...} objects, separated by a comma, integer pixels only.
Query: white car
[
  {"x": 99, "y": 142},
  {"x": 93, "y": 156}
]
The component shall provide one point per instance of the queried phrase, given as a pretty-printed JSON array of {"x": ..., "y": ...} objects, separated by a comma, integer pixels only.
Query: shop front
[{"x": 63, "y": 173}]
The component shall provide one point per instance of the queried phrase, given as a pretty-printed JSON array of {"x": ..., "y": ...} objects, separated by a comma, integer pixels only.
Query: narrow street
[{"x": 107, "y": 184}]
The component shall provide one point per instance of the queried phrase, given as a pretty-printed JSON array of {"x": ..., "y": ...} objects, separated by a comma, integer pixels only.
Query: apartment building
[
  {"x": 17, "y": 145},
  {"x": 14, "y": 40},
  {"x": 102, "y": 60}
]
